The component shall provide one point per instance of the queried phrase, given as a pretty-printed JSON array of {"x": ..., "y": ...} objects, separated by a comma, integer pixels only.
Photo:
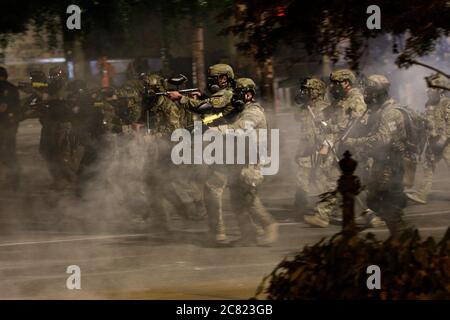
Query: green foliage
[
  {"x": 336, "y": 269},
  {"x": 322, "y": 25}
]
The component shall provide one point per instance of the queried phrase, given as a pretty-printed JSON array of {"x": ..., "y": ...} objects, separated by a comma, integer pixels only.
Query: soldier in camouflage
[
  {"x": 220, "y": 84},
  {"x": 437, "y": 112},
  {"x": 313, "y": 168},
  {"x": 347, "y": 116},
  {"x": 242, "y": 180},
  {"x": 163, "y": 117},
  {"x": 387, "y": 144}
]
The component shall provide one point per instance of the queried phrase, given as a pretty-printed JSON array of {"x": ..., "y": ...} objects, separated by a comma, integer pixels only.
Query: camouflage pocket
[{"x": 251, "y": 176}]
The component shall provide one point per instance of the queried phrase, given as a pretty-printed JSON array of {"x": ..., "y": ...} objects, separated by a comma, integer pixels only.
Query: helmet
[
  {"x": 245, "y": 85},
  {"x": 57, "y": 73},
  {"x": 310, "y": 88},
  {"x": 377, "y": 82},
  {"x": 438, "y": 79},
  {"x": 154, "y": 82},
  {"x": 376, "y": 90},
  {"x": 343, "y": 74},
  {"x": 221, "y": 69},
  {"x": 314, "y": 84}
]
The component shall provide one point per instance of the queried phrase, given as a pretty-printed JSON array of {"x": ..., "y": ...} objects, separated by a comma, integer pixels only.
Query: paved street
[{"x": 123, "y": 261}]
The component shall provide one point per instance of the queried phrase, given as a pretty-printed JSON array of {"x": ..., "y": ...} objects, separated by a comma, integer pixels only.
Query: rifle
[
  {"x": 333, "y": 150},
  {"x": 350, "y": 126},
  {"x": 165, "y": 93}
]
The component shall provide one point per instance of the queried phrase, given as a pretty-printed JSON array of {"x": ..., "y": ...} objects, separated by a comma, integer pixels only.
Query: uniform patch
[
  {"x": 216, "y": 100},
  {"x": 392, "y": 126}
]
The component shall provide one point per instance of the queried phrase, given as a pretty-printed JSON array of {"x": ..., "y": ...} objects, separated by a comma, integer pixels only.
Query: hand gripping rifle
[{"x": 323, "y": 124}]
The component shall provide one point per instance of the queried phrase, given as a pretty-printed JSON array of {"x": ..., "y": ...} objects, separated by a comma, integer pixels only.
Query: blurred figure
[
  {"x": 163, "y": 117},
  {"x": 242, "y": 180},
  {"x": 106, "y": 71},
  {"x": 387, "y": 144},
  {"x": 314, "y": 169},
  {"x": 220, "y": 85},
  {"x": 57, "y": 140},
  {"x": 437, "y": 111},
  {"x": 10, "y": 116},
  {"x": 348, "y": 111}
]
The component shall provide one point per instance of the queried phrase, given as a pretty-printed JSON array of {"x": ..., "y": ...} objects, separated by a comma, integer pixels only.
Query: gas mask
[
  {"x": 149, "y": 97},
  {"x": 213, "y": 84},
  {"x": 302, "y": 96},
  {"x": 238, "y": 100},
  {"x": 374, "y": 98},
  {"x": 336, "y": 90}
]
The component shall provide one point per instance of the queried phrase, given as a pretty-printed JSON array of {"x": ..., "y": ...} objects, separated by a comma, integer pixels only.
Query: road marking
[
  {"x": 431, "y": 213},
  {"x": 24, "y": 243}
]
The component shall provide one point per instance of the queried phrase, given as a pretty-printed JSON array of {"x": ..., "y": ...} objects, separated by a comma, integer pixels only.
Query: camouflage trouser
[
  {"x": 188, "y": 187},
  {"x": 429, "y": 165},
  {"x": 9, "y": 166},
  {"x": 410, "y": 164},
  {"x": 322, "y": 175},
  {"x": 386, "y": 194},
  {"x": 160, "y": 174},
  {"x": 331, "y": 202},
  {"x": 244, "y": 199}
]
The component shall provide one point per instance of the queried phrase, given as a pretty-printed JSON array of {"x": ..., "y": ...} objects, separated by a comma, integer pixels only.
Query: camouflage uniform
[
  {"x": 191, "y": 179},
  {"x": 9, "y": 121},
  {"x": 215, "y": 181},
  {"x": 220, "y": 99},
  {"x": 347, "y": 107},
  {"x": 164, "y": 118},
  {"x": 312, "y": 167},
  {"x": 242, "y": 181},
  {"x": 438, "y": 147},
  {"x": 386, "y": 140}
]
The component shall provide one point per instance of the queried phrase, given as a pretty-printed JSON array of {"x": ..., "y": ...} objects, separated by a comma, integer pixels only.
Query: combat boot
[
  {"x": 271, "y": 233},
  {"x": 317, "y": 220},
  {"x": 220, "y": 240},
  {"x": 416, "y": 197},
  {"x": 373, "y": 221}
]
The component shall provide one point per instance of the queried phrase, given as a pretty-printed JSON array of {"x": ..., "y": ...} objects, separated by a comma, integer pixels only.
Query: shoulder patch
[
  {"x": 392, "y": 125},
  {"x": 216, "y": 100}
]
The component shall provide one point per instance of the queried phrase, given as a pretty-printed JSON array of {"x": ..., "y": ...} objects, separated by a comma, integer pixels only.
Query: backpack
[{"x": 416, "y": 133}]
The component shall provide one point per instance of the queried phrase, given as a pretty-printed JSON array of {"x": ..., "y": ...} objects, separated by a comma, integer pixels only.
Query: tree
[{"x": 322, "y": 25}]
